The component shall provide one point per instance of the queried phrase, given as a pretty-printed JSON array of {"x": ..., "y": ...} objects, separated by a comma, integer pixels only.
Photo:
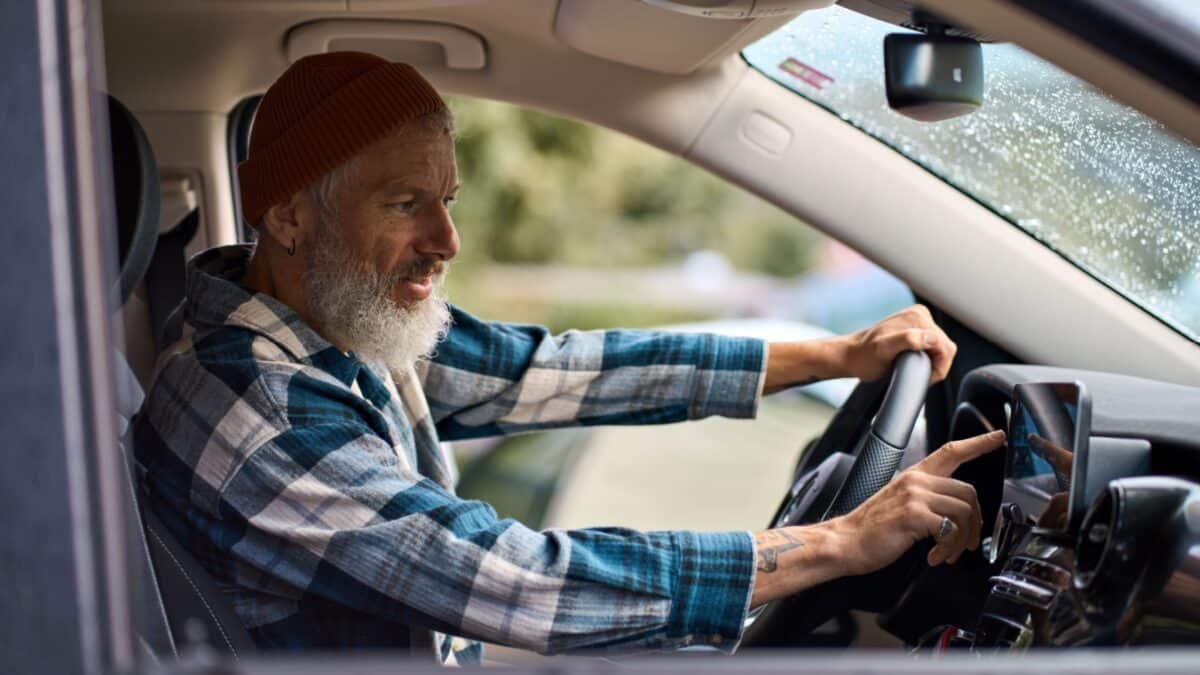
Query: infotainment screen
[{"x": 1048, "y": 426}]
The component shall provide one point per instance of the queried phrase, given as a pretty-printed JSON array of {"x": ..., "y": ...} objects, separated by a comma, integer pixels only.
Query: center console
[{"x": 1085, "y": 550}]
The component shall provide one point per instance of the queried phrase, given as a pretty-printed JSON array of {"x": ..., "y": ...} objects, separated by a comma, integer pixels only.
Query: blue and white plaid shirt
[{"x": 313, "y": 486}]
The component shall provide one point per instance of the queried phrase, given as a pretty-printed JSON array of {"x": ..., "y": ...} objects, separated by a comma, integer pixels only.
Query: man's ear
[{"x": 289, "y": 223}]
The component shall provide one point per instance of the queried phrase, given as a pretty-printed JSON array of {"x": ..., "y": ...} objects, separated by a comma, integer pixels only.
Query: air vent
[{"x": 1095, "y": 539}]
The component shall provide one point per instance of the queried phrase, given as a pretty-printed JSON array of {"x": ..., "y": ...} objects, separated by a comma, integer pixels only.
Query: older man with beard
[{"x": 291, "y": 438}]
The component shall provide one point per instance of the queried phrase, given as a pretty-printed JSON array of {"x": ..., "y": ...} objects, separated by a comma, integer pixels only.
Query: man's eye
[
  {"x": 404, "y": 206},
  {"x": 449, "y": 201}
]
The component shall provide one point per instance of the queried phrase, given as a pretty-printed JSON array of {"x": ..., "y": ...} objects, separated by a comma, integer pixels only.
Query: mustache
[{"x": 420, "y": 269}]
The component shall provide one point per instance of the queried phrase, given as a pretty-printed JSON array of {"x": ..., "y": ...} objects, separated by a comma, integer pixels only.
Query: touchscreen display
[{"x": 1041, "y": 440}]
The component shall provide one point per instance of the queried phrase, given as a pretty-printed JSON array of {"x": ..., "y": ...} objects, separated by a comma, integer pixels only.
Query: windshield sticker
[{"x": 805, "y": 73}]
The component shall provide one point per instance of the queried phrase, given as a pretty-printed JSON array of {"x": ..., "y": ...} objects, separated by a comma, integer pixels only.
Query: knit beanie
[{"x": 321, "y": 112}]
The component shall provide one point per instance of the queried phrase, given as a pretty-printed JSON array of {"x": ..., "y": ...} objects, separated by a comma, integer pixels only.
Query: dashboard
[{"x": 1095, "y": 517}]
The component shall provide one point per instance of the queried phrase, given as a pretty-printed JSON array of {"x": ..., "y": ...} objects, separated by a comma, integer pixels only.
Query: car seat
[{"x": 180, "y": 609}]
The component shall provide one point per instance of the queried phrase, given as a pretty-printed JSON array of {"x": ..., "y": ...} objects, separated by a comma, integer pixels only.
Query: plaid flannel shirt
[{"x": 313, "y": 486}]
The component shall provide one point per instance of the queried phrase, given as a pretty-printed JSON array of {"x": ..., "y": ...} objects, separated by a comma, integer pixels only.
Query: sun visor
[{"x": 632, "y": 32}]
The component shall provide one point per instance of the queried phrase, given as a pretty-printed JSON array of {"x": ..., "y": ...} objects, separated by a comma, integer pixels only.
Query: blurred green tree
[{"x": 540, "y": 189}]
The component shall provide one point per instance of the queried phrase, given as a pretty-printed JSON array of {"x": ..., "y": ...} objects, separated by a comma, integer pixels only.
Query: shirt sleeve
[
  {"x": 330, "y": 510},
  {"x": 489, "y": 378}
]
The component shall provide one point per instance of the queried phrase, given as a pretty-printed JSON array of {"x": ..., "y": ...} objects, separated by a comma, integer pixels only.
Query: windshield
[{"x": 1105, "y": 186}]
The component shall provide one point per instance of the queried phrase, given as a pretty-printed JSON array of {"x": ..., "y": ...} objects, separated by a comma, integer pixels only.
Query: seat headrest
[{"x": 136, "y": 183}]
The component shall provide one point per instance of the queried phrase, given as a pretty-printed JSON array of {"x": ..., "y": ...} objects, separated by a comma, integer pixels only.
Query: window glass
[
  {"x": 1105, "y": 186},
  {"x": 569, "y": 225}
]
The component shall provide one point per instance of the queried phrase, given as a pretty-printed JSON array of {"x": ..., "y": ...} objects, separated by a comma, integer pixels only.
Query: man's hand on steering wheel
[
  {"x": 871, "y": 352},
  {"x": 867, "y": 354},
  {"x": 919, "y": 503}
]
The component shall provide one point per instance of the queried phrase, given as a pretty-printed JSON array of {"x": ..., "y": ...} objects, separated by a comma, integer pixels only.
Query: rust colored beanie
[{"x": 321, "y": 112}]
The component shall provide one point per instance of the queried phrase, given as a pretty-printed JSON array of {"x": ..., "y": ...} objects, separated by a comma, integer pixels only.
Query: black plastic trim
[
  {"x": 241, "y": 118},
  {"x": 1132, "y": 34}
]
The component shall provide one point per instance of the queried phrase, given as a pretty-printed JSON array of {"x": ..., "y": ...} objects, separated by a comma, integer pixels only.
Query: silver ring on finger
[{"x": 946, "y": 530}]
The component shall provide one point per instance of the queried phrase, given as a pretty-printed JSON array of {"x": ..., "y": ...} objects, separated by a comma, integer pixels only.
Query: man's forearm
[
  {"x": 922, "y": 502},
  {"x": 867, "y": 354},
  {"x": 795, "y": 363},
  {"x": 791, "y": 559}
]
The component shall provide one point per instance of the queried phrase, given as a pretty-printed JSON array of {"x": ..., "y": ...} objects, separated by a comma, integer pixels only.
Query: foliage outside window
[{"x": 543, "y": 192}]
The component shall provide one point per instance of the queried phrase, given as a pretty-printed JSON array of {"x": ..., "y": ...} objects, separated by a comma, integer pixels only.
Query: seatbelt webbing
[{"x": 166, "y": 278}]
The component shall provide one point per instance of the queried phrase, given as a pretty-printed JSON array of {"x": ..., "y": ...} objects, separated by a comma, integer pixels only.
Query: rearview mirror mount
[{"x": 932, "y": 77}]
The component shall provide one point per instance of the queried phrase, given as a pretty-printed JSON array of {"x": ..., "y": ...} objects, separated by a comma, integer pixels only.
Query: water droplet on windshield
[{"x": 1101, "y": 183}]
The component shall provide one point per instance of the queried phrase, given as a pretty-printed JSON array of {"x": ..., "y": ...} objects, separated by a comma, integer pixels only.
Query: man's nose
[{"x": 440, "y": 236}]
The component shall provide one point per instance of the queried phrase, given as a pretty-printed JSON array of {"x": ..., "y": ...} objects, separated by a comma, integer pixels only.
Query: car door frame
[{"x": 65, "y": 557}]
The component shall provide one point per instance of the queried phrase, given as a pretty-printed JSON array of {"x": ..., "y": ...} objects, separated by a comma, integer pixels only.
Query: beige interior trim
[
  {"x": 194, "y": 145},
  {"x": 631, "y": 32},
  {"x": 984, "y": 271},
  {"x": 462, "y": 49},
  {"x": 393, "y": 5},
  {"x": 193, "y": 55},
  {"x": 179, "y": 198},
  {"x": 233, "y": 6}
]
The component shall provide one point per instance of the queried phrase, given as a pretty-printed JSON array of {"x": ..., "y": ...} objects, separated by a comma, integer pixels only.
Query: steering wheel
[{"x": 842, "y": 481}]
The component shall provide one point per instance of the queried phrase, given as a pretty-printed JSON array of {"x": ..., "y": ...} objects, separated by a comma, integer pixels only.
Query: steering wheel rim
[
  {"x": 879, "y": 451},
  {"x": 882, "y": 448}
]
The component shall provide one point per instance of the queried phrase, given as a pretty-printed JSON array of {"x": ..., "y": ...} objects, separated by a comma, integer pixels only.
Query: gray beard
[{"x": 348, "y": 300}]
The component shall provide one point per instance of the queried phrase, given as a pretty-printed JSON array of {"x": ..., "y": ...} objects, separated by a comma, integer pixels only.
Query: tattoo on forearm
[{"x": 768, "y": 556}]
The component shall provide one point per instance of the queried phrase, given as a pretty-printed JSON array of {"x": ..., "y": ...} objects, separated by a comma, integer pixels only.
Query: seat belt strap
[{"x": 166, "y": 279}]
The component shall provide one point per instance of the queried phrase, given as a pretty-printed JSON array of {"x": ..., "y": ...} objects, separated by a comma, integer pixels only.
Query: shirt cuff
[
  {"x": 729, "y": 380},
  {"x": 712, "y": 590}
]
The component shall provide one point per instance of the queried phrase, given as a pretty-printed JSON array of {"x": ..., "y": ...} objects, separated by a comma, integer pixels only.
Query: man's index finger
[{"x": 954, "y": 454}]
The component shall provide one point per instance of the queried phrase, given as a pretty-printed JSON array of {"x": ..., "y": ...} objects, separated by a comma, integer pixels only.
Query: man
[{"x": 291, "y": 439}]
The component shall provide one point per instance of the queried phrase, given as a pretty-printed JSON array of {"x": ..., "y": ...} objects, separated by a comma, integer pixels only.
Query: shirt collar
[{"x": 216, "y": 299}]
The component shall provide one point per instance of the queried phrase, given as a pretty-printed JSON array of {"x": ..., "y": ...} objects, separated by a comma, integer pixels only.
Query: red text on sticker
[{"x": 806, "y": 74}]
